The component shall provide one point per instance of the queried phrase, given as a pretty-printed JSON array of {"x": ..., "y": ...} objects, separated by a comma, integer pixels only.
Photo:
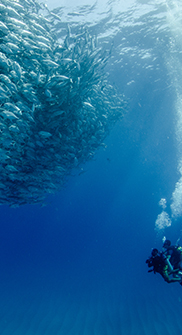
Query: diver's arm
[{"x": 149, "y": 262}]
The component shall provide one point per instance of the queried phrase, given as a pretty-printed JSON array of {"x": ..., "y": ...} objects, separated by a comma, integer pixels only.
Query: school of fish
[{"x": 56, "y": 106}]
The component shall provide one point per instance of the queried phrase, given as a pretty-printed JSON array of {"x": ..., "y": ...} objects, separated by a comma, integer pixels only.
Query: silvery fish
[
  {"x": 3, "y": 29},
  {"x": 56, "y": 106}
]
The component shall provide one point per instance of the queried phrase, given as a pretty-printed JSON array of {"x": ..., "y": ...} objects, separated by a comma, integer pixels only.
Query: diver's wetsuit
[
  {"x": 175, "y": 253},
  {"x": 161, "y": 266}
]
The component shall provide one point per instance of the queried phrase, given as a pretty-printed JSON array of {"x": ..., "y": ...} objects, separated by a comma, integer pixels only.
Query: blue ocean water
[{"x": 77, "y": 265}]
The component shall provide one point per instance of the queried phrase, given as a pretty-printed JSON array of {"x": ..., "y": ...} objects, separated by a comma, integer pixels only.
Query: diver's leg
[{"x": 169, "y": 280}]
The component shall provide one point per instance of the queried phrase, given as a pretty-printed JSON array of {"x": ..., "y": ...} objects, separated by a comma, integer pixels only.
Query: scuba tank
[{"x": 167, "y": 262}]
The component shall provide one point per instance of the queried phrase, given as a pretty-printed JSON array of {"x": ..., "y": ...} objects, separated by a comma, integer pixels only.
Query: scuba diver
[
  {"x": 174, "y": 253},
  {"x": 161, "y": 264}
]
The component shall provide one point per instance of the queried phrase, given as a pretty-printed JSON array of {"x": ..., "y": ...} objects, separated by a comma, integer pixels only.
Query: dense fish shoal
[{"x": 56, "y": 104}]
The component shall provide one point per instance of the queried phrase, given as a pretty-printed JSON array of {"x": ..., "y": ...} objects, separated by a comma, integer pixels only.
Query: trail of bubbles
[
  {"x": 163, "y": 220},
  {"x": 176, "y": 204}
]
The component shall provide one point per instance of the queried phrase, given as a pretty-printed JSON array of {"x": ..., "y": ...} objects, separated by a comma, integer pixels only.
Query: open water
[{"x": 77, "y": 265}]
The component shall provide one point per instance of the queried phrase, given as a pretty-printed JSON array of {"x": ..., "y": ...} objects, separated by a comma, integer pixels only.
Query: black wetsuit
[
  {"x": 176, "y": 256},
  {"x": 158, "y": 263}
]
